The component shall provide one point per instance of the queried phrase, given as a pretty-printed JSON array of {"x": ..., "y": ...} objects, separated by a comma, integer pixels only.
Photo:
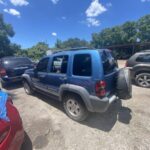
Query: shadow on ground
[
  {"x": 106, "y": 121},
  {"x": 102, "y": 121},
  {"x": 14, "y": 86},
  {"x": 27, "y": 145}
]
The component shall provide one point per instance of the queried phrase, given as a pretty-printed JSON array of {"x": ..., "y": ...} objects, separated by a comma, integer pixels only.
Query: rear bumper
[
  {"x": 7, "y": 79},
  {"x": 101, "y": 105}
]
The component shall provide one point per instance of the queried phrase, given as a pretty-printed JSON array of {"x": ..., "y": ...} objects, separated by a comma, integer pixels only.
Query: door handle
[
  {"x": 42, "y": 76},
  {"x": 63, "y": 78}
]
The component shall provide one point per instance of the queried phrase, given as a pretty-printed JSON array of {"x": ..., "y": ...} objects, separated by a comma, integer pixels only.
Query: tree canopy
[
  {"x": 6, "y": 32},
  {"x": 71, "y": 43},
  {"x": 121, "y": 39}
]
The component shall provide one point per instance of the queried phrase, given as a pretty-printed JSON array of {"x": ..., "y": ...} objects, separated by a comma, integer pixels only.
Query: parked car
[
  {"x": 12, "y": 68},
  {"x": 140, "y": 68},
  {"x": 85, "y": 80},
  {"x": 11, "y": 131}
]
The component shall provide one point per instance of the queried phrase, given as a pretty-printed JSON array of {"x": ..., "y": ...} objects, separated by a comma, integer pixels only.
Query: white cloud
[
  {"x": 109, "y": 4},
  {"x": 63, "y": 18},
  {"x": 145, "y": 0},
  {"x": 1, "y": 2},
  {"x": 92, "y": 22},
  {"x": 19, "y": 2},
  {"x": 55, "y": 1},
  {"x": 95, "y": 9},
  {"x": 54, "y": 34},
  {"x": 13, "y": 12}
]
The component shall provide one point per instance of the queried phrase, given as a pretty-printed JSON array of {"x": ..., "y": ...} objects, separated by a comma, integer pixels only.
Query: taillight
[
  {"x": 2, "y": 72},
  {"x": 126, "y": 64},
  {"x": 100, "y": 88}
]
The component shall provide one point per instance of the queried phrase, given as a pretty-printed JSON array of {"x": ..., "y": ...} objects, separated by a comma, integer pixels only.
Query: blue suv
[{"x": 85, "y": 80}]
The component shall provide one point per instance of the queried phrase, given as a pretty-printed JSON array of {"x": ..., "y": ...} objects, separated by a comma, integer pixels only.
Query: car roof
[
  {"x": 12, "y": 57},
  {"x": 75, "y": 50}
]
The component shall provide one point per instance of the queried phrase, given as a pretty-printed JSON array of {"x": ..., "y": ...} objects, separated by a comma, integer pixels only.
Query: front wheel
[
  {"x": 27, "y": 88},
  {"x": 75, "y": 108},
  {"x": 143, "y": 80}
]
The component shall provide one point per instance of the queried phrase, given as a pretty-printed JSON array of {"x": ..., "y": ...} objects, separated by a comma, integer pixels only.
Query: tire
[
  {"x": 124, "y": 85},
  {"x": 75, "y": 108},
  {"x": 27, "y": 88},
  {"x": 143, "y": 80}
]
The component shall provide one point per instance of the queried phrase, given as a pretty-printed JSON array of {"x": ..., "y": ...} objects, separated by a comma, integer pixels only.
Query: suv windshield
[
  {"x": 109, "y": 62},
  {"x": 16, "y": 62}
]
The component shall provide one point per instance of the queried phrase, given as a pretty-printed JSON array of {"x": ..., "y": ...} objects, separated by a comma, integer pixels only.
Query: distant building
[{"x": 49, "y": 52}]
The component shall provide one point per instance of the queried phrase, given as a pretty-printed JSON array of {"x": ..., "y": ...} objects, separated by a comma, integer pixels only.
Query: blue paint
[{"x": 3, "y": 109}]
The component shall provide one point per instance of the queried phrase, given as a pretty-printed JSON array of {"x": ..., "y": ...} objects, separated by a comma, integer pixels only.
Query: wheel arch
[{"x": 81, "y": 92}]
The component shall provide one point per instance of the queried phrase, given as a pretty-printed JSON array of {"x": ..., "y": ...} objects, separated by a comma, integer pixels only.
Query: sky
[{"x": 48, "y": 20}]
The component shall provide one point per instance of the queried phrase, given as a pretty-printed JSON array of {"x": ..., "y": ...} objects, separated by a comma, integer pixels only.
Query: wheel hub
[{"x": 73, "y": 107}]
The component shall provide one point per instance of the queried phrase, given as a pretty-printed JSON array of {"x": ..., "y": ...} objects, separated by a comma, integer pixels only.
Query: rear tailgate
[
  {"x": 110, "y": 68},
  {"x": 16, "y": 66},
  {"x": 17, "y": 71}
]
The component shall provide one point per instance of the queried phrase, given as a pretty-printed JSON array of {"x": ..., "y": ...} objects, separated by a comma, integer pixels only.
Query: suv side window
[
  {"x": 42, "y": 65},
  {"x": 143, "y": 58},
  {"x": 82, "y": 65},
  {"x": 59, "y": 64}
]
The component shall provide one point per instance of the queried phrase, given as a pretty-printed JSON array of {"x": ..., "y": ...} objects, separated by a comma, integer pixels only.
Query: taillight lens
[
  {"x": 2, "y": 72},
  {"x": 100, "y": 88},
  {"x": 126, "y": 64}
]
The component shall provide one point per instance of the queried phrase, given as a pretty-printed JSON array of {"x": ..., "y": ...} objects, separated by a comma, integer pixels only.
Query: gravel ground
[{"x": 125, "y": 126}]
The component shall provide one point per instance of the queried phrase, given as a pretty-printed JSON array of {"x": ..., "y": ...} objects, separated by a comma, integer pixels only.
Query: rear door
[{"x": 110, "y": 68}]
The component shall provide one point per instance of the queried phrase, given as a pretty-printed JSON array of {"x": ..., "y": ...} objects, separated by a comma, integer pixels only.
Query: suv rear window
[
  {"x": 82, "y": 65},
  {"x": 16, "y": 62},
  {"x": 109, "y": 62}
]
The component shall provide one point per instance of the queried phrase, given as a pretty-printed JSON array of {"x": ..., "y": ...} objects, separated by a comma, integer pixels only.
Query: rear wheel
[
  {"x": 143, "y": 80},
  {"x": 75, "y": 108},
  {"x": 27, "y": 88}
]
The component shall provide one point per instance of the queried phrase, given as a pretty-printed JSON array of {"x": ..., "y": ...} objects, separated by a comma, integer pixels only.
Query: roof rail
[
  {"x": 145, "y": 51},
  {"x": 72, "y": 49}
]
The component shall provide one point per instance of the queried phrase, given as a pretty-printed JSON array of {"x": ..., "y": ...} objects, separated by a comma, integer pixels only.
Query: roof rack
[
  {"x": 72, "y": 49},
  {"x": 146, "y": 51}
]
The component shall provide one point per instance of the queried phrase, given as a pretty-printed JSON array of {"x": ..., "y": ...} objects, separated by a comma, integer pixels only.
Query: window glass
[
  {"x": 42, "y": 65},
  {"x": 59, "y": 64},
  {"x": 109, "y": 62},
  {"x": 82, "y": 65},
  {"x": 16, "y": 62},
  {"x": 143, "y": 58}
]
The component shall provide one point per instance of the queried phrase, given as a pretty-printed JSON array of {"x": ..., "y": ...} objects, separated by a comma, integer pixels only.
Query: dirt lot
[{"x": 125, "y": 126}]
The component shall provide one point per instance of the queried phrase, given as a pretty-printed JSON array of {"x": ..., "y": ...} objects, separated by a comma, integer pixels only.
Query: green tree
[
  {"x": 143, "y": 28},
  {"x": 6, "y": 32},
  {"x": 38, "y": 51},
  {"x": 71, "y": 43}
]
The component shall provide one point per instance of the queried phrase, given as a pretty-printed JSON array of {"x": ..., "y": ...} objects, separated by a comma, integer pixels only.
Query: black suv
[
  {"x": 12, "y": 68},
  {"x": 140, "y": 68},
  {"x": 83, "y": 79}
]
